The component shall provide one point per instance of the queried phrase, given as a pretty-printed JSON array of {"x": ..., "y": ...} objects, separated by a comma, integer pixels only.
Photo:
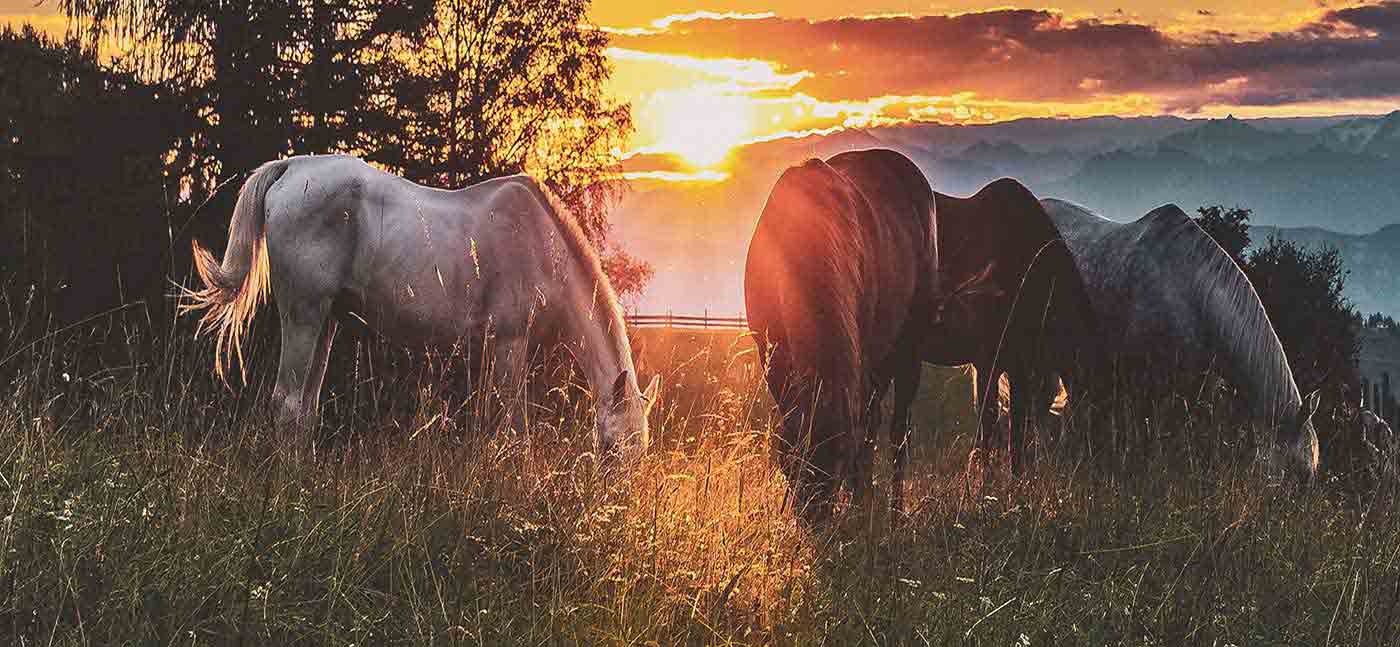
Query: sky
[{"x": 703, "y": 76}]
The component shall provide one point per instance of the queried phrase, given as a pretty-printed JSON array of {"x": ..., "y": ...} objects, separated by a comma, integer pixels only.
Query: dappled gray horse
[
  {"x": 500, "y": 262},
  {"x": 1162, "y": 289}
]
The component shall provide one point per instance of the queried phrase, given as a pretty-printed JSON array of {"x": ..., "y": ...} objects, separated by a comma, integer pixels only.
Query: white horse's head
[
  {"x": 1295, "y": 448},
  {"x": 622, "y": 416}
]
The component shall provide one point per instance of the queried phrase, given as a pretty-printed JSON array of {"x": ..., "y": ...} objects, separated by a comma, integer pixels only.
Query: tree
[
  {"x": 511, "y": 86},
  {"x": 1302, "y": 290},
  {"x": 1229, "y": 228},
  {"x": 83, "y": 196}
]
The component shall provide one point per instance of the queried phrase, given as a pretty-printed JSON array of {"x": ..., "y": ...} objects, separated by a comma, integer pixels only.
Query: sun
[{"x": 700, "y": 125}]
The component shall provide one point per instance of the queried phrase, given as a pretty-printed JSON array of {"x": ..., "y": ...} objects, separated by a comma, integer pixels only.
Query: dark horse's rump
[
  {"x": 1016, "y": 304},
  {"x": 831, "y": 280}
]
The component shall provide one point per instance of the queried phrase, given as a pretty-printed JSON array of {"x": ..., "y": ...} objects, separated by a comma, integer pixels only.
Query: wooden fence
[{"x": 672, "y": 320}]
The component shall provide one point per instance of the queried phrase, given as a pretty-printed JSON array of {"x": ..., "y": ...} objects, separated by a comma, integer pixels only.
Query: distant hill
[
  {"x": 1372, "y": 262},
  {"x": 1333, "y": 173},
  {"x": 1229, "y": 139},
  {"x": 1378, "y": 136},
  {"x": 1347, "y": 192}
]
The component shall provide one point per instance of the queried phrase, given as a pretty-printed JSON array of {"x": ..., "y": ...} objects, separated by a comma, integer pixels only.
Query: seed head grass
[{"x": 142, "y": 503}]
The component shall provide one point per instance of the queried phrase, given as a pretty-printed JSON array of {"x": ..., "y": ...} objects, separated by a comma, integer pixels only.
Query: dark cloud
[
  {"x": 1383, "y": 18},
  {"x": 1350, "y": 53}
]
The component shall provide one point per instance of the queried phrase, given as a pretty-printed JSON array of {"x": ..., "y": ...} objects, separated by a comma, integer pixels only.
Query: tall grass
[{"x": 144, "y": 504}]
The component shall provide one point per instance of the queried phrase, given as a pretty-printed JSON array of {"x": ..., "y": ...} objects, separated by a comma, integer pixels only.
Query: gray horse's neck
[
  {"x": 604, "y": 350},
  {"x": 591, "y": 324}
]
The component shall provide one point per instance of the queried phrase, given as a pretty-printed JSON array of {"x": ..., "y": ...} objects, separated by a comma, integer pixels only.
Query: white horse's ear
[
  {"x": 651, "y": 395},
  {"x": 619, "y": 390},
  {"x": 1311, "y": 403}
]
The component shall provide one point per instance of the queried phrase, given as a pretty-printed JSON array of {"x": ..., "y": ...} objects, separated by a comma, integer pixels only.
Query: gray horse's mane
[
  {"x": 1226, "y": 301},
  {"x": 1232, "y": 309},
  {"x": 584, "y": 253}
]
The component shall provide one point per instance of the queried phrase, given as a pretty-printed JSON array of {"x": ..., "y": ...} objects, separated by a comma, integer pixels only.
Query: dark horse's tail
[{"x": 235, "y": 288}]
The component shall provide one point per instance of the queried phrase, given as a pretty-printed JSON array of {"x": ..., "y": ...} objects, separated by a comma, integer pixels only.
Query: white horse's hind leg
[{"x": 305, "y": 346}]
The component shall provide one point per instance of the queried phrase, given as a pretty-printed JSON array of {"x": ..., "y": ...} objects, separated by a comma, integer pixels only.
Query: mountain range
[{"x": 1329, "y": 180}]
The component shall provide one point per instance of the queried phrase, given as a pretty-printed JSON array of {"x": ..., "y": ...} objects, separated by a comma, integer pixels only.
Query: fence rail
[{"x": 672, "y": 320}]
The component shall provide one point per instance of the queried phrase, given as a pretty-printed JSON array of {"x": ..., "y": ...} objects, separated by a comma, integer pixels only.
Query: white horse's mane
[{"x": 584, "y": 254}]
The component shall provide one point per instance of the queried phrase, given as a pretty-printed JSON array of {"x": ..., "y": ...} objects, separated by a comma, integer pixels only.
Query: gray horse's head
[
  {"x": 622, "y": 416},
  {"x": 1295, "y": 448}
]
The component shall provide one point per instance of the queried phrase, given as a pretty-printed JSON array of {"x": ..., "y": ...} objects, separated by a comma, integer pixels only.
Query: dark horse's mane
[{"x": 809, "y": 267}]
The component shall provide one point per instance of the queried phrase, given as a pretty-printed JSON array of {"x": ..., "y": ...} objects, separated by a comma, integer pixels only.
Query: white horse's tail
[{"x": 234, "y": 289}]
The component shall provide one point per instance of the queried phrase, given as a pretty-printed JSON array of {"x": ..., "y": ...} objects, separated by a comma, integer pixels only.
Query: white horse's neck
[
  {"x": 597, "y": 333},
  {"x": 1274, "y": 396}
]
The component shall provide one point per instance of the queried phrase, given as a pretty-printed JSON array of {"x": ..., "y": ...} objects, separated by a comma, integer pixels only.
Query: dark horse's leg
[
  {"x": 906, "y": 384},
  {"x": 861, "y": 469},
  {"x": 987, "y": 404}
]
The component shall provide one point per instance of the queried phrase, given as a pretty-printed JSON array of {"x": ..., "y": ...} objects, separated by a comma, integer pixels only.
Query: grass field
[{"x": 143, "y": 504}]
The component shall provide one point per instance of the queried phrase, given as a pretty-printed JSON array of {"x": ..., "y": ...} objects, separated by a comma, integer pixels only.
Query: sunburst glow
[{"x": 699, "y": 125}]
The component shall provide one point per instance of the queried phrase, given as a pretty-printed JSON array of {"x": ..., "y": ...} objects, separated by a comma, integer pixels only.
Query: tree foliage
[
  {"x": 83, "y": 195},
  {"x": 1229, "y": 228},
  {"x": 1302, "y": 291}
]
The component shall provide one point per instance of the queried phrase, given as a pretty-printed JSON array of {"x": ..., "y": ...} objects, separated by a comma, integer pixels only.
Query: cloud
[{"x": 1024, "y": 55}]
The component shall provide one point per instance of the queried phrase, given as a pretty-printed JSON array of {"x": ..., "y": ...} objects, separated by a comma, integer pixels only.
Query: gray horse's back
[{"x": 423, "y": 266}]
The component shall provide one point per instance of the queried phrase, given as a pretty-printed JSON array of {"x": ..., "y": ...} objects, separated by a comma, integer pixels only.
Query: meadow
[{"x": 143, "y": 503}]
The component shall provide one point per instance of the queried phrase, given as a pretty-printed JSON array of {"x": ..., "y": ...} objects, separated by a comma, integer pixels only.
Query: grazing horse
[
  {"x": 839, "y": 265},
  {"x": 1016, "y": 304},
  {"x": 500, "y": 261},
  {"x": 1164, "y": 292}
]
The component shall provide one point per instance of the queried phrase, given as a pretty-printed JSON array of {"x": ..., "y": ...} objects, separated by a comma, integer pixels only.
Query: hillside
[
  {"x": 1372, "y": 262},
  {"x": 1335, "y": 173}
]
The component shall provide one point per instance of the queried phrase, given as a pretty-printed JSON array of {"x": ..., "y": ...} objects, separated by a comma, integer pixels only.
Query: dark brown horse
[
  {"x": 839, "y": 273},
  {"x": 1016, "y": 304}
]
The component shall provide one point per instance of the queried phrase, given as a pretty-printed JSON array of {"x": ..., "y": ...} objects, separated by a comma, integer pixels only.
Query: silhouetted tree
[
  {"x": 1229, "y": 228},
  {"x": 1302, "y": 290},
  {"x": 512, "y": 86},
  {"x": 269, "y": 77},
  {"x": 84, "y": 200}
]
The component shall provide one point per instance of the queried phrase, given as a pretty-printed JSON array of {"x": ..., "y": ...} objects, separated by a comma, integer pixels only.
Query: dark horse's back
[
  {"x": 829, "y": 284},
  {"x": 1003, "y": 262}
]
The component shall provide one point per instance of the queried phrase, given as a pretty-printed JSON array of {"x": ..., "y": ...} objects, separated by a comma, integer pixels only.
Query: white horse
[
  {"x": 500, "y": 263},
  {"x": 1162, "y": 289}
]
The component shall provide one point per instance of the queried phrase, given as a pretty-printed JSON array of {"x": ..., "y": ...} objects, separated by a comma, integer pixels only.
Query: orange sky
[
  {"x": 702, "y": 80},
  {"x": 704, "y": 76}
]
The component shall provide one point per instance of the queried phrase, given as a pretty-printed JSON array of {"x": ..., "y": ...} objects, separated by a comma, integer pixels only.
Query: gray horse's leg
[
  {"x": 305, "y": 340},
  {"x": 906, "y": 385},
  {"x": 316, "y": 376}
]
